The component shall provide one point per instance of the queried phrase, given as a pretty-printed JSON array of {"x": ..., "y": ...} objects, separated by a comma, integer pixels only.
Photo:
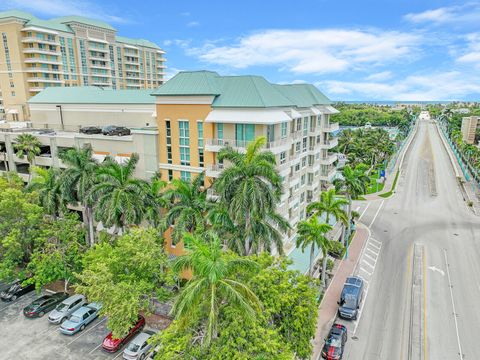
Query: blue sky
[{"x": 352, "y": 50}]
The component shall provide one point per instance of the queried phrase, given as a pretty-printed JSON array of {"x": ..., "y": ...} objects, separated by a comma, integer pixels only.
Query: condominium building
[
  {"x": 200, "y": 112},
  {"x": 69, "y": 51},
  {"x": 470, "y": 129}
]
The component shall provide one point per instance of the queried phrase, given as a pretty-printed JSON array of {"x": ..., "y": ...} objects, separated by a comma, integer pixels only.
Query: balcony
[
  {"x": 215, "y": 145},
  {"x": 40, "y": 41},
  {"x": 46, "y": 80},
  {"x": 42, "y": 61},
  {"x": 100, "y": 66},
  {"x": 330, "y": 159},
  {"x": 328, "y": 175},
  {"x": 41, "y": 51},
  {"x": 41, "y": 70},
  {"x": 36, "y": 89},
  {"x": 214, "y": 171},
  {"x": 101, "y": 82},
  {"x": 329, "y": 144},
  {"x": 331, "y": 127},
  {"x": 132, "y": 63}
]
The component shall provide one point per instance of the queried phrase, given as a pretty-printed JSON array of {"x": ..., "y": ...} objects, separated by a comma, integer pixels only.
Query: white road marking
[
  {"x": 433, "y": 268},
  {"x": 376, "y": 214},
  {"x": 365, "y": 271},
  {"x": 48, "y": 330},
  {"x": 96, "y": 347},
  {"x": 366, "y": 262},
  {"x": 363, "y": 212},
  {"x": 358, "y": 208},
  {"x": 370, "y": 257},
  {"x": 453, "y": 306},
  {"x": 54, "y": 330},
  {"x": 86, "y": 332},
  {"x": 375, "y": 253},
  {"x": 360, "y": 312},
  {"x": 376, "y": 241},
  {"x": 120, "y": 353},
  {"x": 375, "y": 246}
]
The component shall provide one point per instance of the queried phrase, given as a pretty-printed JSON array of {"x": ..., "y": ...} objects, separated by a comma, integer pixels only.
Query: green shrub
[{"x": 337, "y": 250}]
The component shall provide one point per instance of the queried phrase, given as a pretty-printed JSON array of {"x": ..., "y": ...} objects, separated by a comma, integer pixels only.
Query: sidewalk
[{"x": 328, "y": 307}]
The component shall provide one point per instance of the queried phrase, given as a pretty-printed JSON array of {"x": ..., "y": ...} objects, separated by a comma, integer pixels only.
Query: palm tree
[
  {"x": 187, "y": 206},
  {"x": 29, "y": 146},
  {"x": 250, "y": 188},
  {"x": 312, "y": 233},
  {"x": 46, "y": 182},
  {"x": 330, "y": 205},
  {"x": 154, "y": 201},
  {"x": 77, "y": 180},
  {"x": 353, "y": 184},
  {"x": 119, "y": 197},
  {"x": 214, "y": 284}
]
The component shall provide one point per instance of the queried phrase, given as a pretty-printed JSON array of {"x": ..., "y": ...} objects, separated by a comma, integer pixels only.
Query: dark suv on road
[
  {"x": 351, "y": 298},
  {"x": 90, "y": 130}
]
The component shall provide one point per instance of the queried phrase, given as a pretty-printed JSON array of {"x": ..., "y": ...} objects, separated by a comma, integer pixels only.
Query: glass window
[
  {"x": 284, "y": 130},
  {"x": 200, "y": 133},
  {"x": 220, "y": 133},
  {"x": 283, "y": 157},
  {"x": 299, "y": 124},
  {"x": 185, "y": 175},
  {"x": 244, "y": 133}
]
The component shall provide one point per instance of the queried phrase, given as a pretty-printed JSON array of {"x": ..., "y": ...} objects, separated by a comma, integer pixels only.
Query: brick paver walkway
[{"x": 328, "y": 307}]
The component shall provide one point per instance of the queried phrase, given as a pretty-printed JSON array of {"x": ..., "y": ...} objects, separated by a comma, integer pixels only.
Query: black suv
[
  {"x": 112, "y": 130},
  {"x": 90, "y": 130},
  {"x": 16, "y": 290},
  {"x": 351, "y": 298}
]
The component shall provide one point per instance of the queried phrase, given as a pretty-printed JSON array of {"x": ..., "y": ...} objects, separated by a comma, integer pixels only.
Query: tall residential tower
[{"x": 69, "y": 51}]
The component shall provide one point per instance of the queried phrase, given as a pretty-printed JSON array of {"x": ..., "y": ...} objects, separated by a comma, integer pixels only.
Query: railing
[
  {"x": 331, "y": 127},
  {"x": 330, "y": 159},
  {"x": 244, "y": 143},
  {"x": 329, "y": 143}
]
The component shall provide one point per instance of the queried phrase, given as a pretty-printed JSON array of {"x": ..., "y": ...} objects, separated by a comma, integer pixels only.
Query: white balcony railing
[
  {"x": 331, "y": 127},
  {"x": 214, "y": 170},
  {"x": 215, "y": 144},
  {"x": 41, "y": 51},
  {"x": 38, "y": 40},
  {"x": 328, "y": 174},
  {"x": 330, "y": 159},
  {"x": 42, "y": 61},
  {"x": 329, "y": 144}
]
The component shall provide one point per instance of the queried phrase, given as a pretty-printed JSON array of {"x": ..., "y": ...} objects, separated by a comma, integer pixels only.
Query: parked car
[
  {"x": 112, "y": 344},
  {"x": 139, "y": 347},
  {"x": 43, "y": 304},
  {"x": 80, "y": 318},
  {"x": 91, "y": 130},
  {"x": 351, "y": 298},
  {"x": 66, "y": 308},
  {"x": 335, "y": 343},
  {"x": 111, "y": 130},
  {"x": 16, "y": 290}
]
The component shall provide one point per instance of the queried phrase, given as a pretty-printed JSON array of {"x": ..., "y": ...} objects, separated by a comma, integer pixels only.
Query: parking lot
[{"x": 24, "y": 338}]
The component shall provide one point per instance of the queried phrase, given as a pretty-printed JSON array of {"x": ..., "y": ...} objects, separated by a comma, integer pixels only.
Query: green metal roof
[
  {"x": 191, "y": 83},
  {"x": 303, "y": 95},
  {"x": 91, "y": 95},
  {"x": 49, "y": 24},
  {"x": 16, "y": 14},
  {"x": 83, "y": 20},
  {"x": 241, "y": 91},
  {"x": 137, "y": 42}
]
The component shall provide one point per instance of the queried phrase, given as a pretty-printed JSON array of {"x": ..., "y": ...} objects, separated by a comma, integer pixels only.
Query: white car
[
  {"x": 66, "y": 308},
  {"x": 139, "y": 347}
]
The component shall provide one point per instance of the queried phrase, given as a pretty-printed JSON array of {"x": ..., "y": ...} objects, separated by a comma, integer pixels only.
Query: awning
[
  {"x": 12, "y": 111},
  {"x": 315, "y": 111},
  {"x": 327, "y": 109},
  {"x": 294, "y": 114},
  {"x": 250, "y": 116}
]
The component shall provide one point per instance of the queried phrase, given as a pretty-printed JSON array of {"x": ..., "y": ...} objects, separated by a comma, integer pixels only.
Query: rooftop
[
  {"x": 83, "y": 20},
  {"x": 241, "y": 91},
  {"x": 137, "y": 42},
  {"x": 91, "y": 95}
]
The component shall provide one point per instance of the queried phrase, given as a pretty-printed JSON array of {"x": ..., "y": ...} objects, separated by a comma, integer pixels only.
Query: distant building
[
  {"x": 69, "y": 51},
  {"x": 470, "y": 126}
]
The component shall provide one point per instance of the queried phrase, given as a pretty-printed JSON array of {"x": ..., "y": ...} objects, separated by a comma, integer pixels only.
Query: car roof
[
  {"x": 354, "y": 280},
  {"x": 73, "y": 298},
  {"x": 81, "y": 311},
  {"x": 141, "y": 338}
]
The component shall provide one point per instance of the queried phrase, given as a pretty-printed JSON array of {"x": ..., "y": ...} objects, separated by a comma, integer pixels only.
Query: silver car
[
  {"x": 139, "y": 347},
  {"x": 66, "y": 308}
]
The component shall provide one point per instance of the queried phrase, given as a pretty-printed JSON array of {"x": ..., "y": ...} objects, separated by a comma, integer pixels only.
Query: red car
[
  {"x": 335, "y": 343},
  {"x": 112, "y": 345}
]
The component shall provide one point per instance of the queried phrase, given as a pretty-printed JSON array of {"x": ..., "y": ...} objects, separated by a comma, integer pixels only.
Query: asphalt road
[{"x": 427, "y": 209}]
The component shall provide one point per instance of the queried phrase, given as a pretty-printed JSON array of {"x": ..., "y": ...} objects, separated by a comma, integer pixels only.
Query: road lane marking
[
  {"x": 376, "y": 214},
  {"x": 453, "y": 305},
  {"x": 366, "y": 262},
  {"x": 433, "y": 268},
  {"x": 376, "y": 241},
  {"x": 358, "y": 208},
  {"x": 120, "y": 353},
  {"x": 425, "y": 355},
  {"x": 363, "y": 212},
  {"x": 86, "y": 332},
  {"x": 360, "y": 312},
  {"x": 407, "y": 277},
  {"x": 375, "y": 253},
  {"x": 365, "y": 271},
  {"x": 370, "y": 257}
]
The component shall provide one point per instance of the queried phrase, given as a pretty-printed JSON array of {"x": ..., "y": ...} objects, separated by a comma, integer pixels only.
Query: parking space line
[
  {"x": 375, "y": 246},
  {"x": 373, "y": 252},
  {"x": 361, "y": 311},
  {"x": 20, "y": 301},
  {"x": 365, "y": 271},
  {"x": 49, "y": 329},
  {"x": 53, "y": 331},
  {"x": 96, "y": 347},
  {"x": 376, "y": 241},
  {"x": 87, "y": 331},
  {"x": 120, "y": 353},
  {"x": 363, "y": 212}
]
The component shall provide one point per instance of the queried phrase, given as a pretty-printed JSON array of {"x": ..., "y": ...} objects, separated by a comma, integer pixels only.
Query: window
[
  {"x": 304, "y": 161},
  {"x": 13, "y": 93},
  {"x": 201, "y": 161},
  {"x": 297, "y": 147},
  {"x": 185, "y": 175},
  {"x": 244, "y": 133},
  {"x": 283, "y": 130},
  {"x": 283, "y": 157},
  {"x": 12, "y": 84},
  {"x": 302, "y": 197},
  {"x": 302, "y": 180},
  {"x": 220, "y": 133},
  {"x": 297, "y": 167},
  {"x": 184, "y": 135},
  {"x": 305, "y": 126},
  {"x": 170, "y": 175},
  {"x": 169, "y": 141},
  {"x": 304, "y": 145},
  {"x": 200, "y": 134}
]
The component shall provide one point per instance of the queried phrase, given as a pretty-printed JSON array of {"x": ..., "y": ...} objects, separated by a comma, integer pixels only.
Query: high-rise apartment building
[
  {"x": 200, "y": 112},
  {"x": 470, "y": 128},
  {"x": 69, "y": 51}
]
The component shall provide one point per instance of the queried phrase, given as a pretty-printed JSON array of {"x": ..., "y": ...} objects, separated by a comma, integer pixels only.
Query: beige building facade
[
  {"x": 69, "y": 51},
  {"x": 470, "y": 128}
]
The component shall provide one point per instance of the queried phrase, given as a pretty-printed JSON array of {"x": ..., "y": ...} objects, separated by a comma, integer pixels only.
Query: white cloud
[
  {"x": 312, "y": 51},
  {"x": 435, "y": 86},
  {"x": 64, "y": 7},
  {"x": 380, "y": 76},
  {"x": 472, "y": 54},
  {"x": 465, "y": 13},
  {"x": 193, "y": 24}
]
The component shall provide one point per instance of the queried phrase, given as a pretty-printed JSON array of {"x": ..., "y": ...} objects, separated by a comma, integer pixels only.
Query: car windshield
[
  {"x": 349, "y": 301},
  {"x": 334, "y": 340},
  {"x": 62, "y": 307},
  {"x": 14, "y": 288},
  {"x": 75, "y": 319},
  {"x": 133, "y": 347}
]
